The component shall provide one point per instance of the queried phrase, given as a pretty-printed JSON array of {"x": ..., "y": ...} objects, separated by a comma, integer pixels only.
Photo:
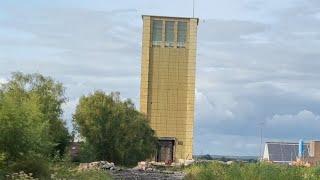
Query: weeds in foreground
[
  {"x": 250, "y": 171},
  {"x": 62, "y": 171}
]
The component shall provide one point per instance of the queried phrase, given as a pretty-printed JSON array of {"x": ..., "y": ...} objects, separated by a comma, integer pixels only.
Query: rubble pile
[
  {"x": 144, "y": 170},
  {"x": 144, "y": 166},
  {"x": 152, "y": 170},
  {"x": 148, "y": 175},
  {"x": 104, "y": 165},
  {"x": 152, "y": 165}
]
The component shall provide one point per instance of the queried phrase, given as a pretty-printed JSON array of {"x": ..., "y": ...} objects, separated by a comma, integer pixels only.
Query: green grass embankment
[{"x": 250, "y": 171}]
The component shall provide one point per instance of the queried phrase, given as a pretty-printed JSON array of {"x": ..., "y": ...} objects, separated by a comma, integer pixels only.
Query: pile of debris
[
  {"x": 144, "y": 166},
  {"x": 104, "y": 165},
  {"x": 139, "y": 174},
  {"x": 152, "y": 165}
]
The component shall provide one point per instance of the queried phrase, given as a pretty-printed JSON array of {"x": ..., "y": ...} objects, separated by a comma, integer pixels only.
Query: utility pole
[{"x": 261, "y": 138}]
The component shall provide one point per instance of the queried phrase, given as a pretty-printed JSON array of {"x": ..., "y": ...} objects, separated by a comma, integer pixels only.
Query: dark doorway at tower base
[{"x": 165, "y": 152}]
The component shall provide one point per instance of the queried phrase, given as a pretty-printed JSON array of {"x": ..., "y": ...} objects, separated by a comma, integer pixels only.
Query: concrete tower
[{"x": 167, "y": 91}]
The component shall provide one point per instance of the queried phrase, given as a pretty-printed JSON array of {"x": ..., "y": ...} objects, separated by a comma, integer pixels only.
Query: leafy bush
[
  {"x": 31, "y": 123},
  {"x": 87, "y": 153},
  {"x": 114, "y": 130},
  {"x": 70, "y": 171},
  {"x": 20, "y": 176},
  {"x": 250, "y": 171},
  {"x": 30, "y": 116},
  {"x": 2, "y": 164},
  {"x": 39, "y": 167}
]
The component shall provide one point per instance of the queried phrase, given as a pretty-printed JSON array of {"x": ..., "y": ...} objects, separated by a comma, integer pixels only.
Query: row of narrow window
[{"x": 157, "y": 28}]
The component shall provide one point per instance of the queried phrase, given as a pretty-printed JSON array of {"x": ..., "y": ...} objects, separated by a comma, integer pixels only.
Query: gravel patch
[{"x": 130, "y": 174}]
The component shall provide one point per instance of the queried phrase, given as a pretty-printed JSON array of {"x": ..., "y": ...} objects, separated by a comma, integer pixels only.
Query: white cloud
[
  {"x": 219, "y": 31},
  {"x": 303, "y": 117},
  {"x": 217, "y": 107},
  {"x": 303, "y": 124}
]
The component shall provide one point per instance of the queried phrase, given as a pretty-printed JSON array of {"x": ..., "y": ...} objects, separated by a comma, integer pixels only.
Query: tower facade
[{"x": 167, "y": 91}]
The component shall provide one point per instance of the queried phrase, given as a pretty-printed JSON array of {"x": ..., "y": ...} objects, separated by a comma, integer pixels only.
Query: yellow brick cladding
[{"x": 167, "y": 91}]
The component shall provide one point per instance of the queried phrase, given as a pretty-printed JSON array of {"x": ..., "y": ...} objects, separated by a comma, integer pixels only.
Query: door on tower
[{"x": 165, "y": 151}]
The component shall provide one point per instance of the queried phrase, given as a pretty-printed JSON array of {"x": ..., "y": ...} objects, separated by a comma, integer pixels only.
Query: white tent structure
[{"x": 283, "y": 152}]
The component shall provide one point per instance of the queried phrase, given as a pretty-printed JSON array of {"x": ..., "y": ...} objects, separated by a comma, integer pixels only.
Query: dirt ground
[{"x": 130, "y": 174}]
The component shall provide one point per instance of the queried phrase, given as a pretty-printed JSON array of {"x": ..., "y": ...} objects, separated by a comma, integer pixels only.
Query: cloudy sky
[{"x": 258, "y": 61}]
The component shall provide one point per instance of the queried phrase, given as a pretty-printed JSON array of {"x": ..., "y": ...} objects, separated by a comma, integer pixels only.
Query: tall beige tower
[{"x": 167, "y": 91}]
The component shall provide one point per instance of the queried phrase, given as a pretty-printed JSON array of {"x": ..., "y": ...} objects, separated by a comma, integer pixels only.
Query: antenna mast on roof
[{"x": 193, "y": 8}]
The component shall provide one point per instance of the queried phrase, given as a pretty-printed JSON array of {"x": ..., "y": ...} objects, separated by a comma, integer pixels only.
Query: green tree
[
  {"x": 114, "y": 129},
  {"x": 41, "y": 98},
  {"x": 22, "y": 131},
  {"x": 51, "y": 96}
]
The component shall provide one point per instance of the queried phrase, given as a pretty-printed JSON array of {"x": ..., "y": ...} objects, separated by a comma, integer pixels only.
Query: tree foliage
[
  {"x": 114, "y": 129},
  {"x": 30, "y": 116},
  {"x": 22, "y": 130}
]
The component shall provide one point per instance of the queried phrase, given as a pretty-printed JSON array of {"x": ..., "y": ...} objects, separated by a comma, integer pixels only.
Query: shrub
[
  {"x": 86, "y": 153},
  {"x": 20, "y": 176},
  {"x": 114, "y": 129},
  {"x": 67, "y": 170},
  {"x": 39, "y": 167},
  {"x": 251, "y": 171}
]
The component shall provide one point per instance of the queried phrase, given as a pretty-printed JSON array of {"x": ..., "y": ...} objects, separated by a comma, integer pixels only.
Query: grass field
[{"x": 250, "y": 171}]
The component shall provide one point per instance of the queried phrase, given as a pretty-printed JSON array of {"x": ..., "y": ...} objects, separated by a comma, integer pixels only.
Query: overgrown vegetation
[
  {"x": 250, "y": 171},
  {"x": 66, "y": 170},
  {"x": 34, "y": 137},
  {"x": 63, "y": 170},
  {"x": 31, "y": 124},
  {"x": 114, "y": 130}
]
